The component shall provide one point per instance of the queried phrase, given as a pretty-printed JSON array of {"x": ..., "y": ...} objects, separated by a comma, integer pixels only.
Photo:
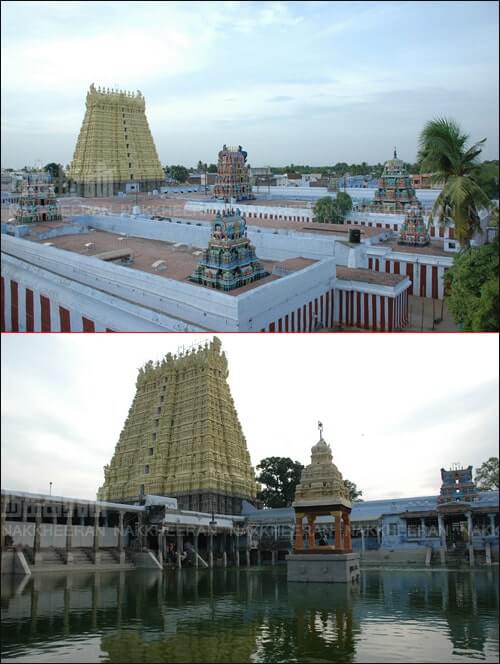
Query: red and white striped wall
[
  {"x": 427, "y": 279},
  {"x": 25, "y": 310},
  {"x": 372, "y": 311},
  {"x": 349, "y": 308},
  {"x": 318, "y": 312}
]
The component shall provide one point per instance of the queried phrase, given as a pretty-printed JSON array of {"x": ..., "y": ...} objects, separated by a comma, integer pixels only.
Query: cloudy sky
[
  {"x": 302, "y": 82},
  {"x": 395, "y": 408}
]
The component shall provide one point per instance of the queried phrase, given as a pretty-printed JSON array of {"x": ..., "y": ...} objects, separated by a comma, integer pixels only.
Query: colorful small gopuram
[
  {"x": 229, "y": 261},
  {"x": 395, "y": 191},
  {"x": 322, "y": 492},
  {"x": 413, "y": 231},
  {"x": 233, "y": 179},
  {"x": 37, "y": 202},
  {"x": 457, "y": 485}
]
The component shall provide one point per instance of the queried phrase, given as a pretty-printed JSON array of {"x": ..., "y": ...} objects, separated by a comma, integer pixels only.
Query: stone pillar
[
  {"x": 95, "y": 546},
  {"x": 487, "y": 551},
  {"x": 471, "y": 555},
  {"x": 179, "y": 549},
  {"x": 299, "y": 532},
  {"x": 224, "y": 558},
  {"x": 211, "y": 550},
  {"x": 247, "y": 556},
  {"x": 362, "y": 539},
  {"x": 273, "y": 557},
  {"x": 259, "y": 558},
  {"x": 3, "y": 515},
  {"x": 160, "y": 547},
  {"x": 24, "y": 517},
  {"x": 121, "y": 538},
  {"x": 423, "y": 532},
  {"x": 37, "y": 556},
  {"x": 442, "y": 530},
  {"x": 338, "y": 536},
  {"x": 140, "y": 530},
  {"x": 195, "y": 544},
  {"x": 469, "y": 526},
  {"x": 237, "y": 553},
  {"x": 491, "y": 517},
  {"x": 69, "y": 535},
  {"x": 311, "y": 535},
  {"x": 347, "y": 533}
]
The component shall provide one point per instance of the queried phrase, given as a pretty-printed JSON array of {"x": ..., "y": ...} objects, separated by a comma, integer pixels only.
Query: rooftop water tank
[{"x": 354, "y": 235}]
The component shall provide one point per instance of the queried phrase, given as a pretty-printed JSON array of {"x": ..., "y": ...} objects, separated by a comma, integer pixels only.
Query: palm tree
[{"x": 443, "y": 151}]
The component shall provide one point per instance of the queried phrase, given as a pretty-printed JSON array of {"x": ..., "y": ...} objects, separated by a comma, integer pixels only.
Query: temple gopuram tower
[
  {"x": 395, "y": 192},
  {"x": 115, "y": 149},
  {"x": 233, "y": 179},
  {"x": 413, "y": 231},
  {"x": 322, "y": 492},
  {"x": 182, "y": 437},
  {"x": 230, "y": 260},
  {"x": 37, "y": 203}
]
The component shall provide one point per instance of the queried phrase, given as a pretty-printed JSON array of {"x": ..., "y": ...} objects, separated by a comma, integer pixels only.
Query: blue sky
[
  {"x": 393, "y": 417},
  {"x": 303, "y": 82}
]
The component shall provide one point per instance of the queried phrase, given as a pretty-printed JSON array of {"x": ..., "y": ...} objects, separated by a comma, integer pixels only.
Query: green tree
[
  {"x": 326, "y": 211},
  {"x": 212, "y": 168},
  {"x": 55, "y": 170},
  {"x": 354, "y": 492},
  {"x": 280, "y": 476},
  {"x": 488, "y": 475},
  {"x": 344, "y": 203},
  {"x": 487, "y": 176},
  {"x": 443, "y": 151},
  {"x": 472, "y": 282},
  {"x": 178, "y": 173}
]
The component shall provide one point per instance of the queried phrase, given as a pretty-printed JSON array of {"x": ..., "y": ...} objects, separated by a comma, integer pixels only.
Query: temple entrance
[{"x": 456, "y": 529}]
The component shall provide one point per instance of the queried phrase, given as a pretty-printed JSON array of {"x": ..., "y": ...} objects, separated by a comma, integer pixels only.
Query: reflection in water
[{"x": 254, "y": 615}]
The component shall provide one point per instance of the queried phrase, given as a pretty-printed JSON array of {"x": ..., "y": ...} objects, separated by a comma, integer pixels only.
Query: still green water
[{"x": 250, "y": 615}]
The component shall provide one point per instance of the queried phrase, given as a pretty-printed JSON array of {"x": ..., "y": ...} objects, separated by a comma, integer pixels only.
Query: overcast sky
[
  {"x": 302, "y": 82},
  {"x": 395, "y": 408}
]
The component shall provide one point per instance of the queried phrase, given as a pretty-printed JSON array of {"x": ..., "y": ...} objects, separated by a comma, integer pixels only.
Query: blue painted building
[{"x": 422, "y": 522}]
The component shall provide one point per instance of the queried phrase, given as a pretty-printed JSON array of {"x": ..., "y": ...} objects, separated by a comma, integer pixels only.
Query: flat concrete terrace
[
  {"x": 369, "y": 277},
  {"x": 434, "y": 248},
  {"x": 179, "y": 259}
]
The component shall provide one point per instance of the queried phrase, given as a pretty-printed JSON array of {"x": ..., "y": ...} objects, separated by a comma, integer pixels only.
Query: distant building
[
  {"x": 115, "y": 149},
  {"x": 421, "y": 181}
]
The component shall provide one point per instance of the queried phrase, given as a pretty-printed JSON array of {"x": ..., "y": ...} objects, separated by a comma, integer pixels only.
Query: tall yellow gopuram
[
  {"x": 182, "y": 437},
  {"x": 115, "y": 149}
]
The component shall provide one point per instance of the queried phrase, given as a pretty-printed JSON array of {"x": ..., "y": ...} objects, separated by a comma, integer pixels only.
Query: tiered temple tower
[
  {"x": 457, "y": 485},
  {"x": 182, "y": 437},
  {"x": 233, "y": 178},
  {"x": 115, "y": 149},
  {"x": 413, "y": 232},
  {"x": 230, "y": 260},
  {"x": 37, "y": 202},
  {"x": 395, "y": 192}
]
